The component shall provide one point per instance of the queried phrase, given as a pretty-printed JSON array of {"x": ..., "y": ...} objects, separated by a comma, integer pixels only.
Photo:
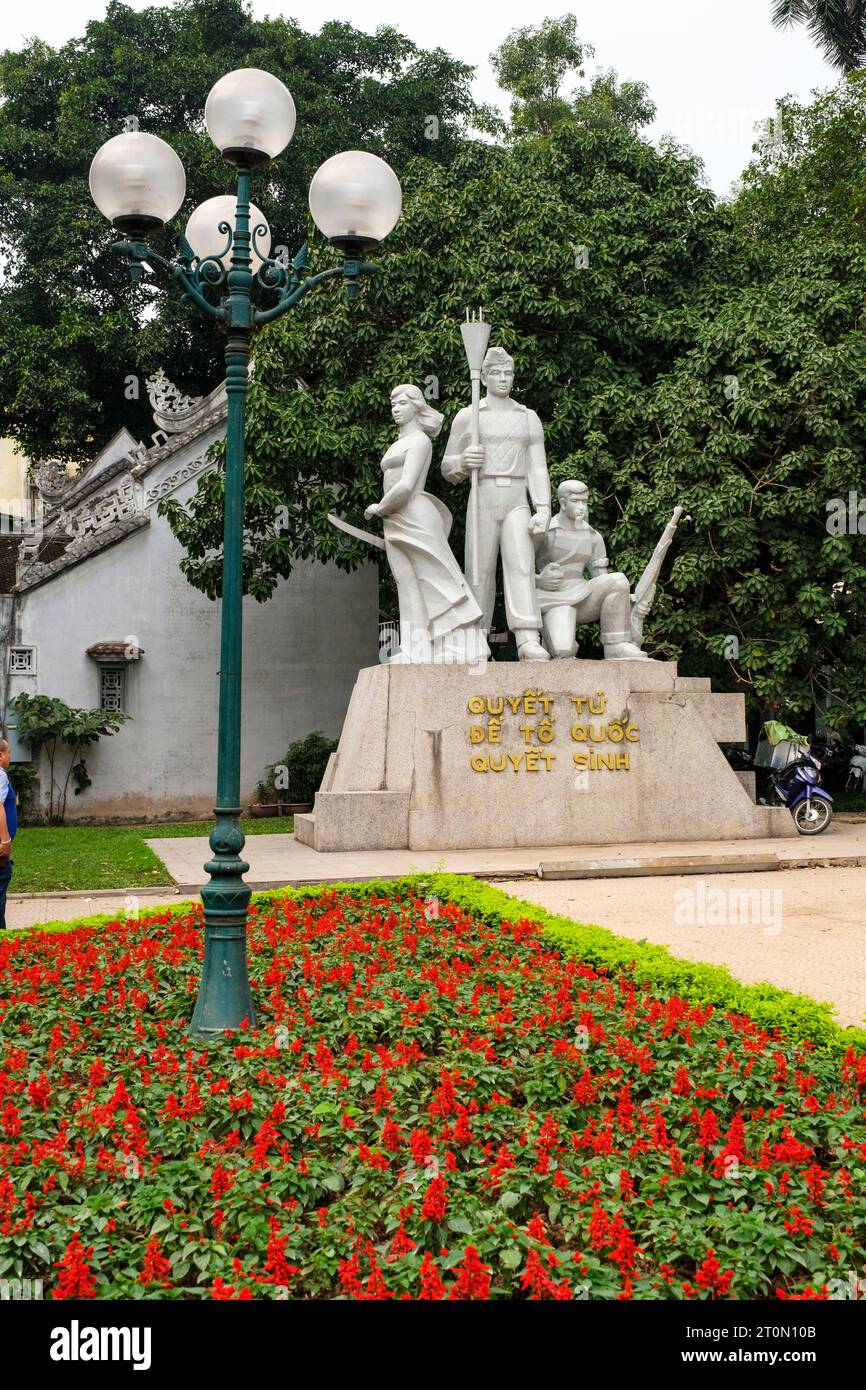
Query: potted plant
[
  {"x": 266, "y": 803},
  {"x": 298, "y": 777}
]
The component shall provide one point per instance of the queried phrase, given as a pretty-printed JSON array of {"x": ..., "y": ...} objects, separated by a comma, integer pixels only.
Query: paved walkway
[
  {"x": 804, "y": 930},
  {"x": 27, "y": 911},
  {"x": 281, "y": 859}
]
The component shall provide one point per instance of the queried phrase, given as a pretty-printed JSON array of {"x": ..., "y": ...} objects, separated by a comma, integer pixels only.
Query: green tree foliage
[
  {"x": 532, "y": 64},
  {"x": 800, "y": 416},
  {"x": 501, "y": 228},
  {"x": 838, "y": 27},
  {"x": 71, "y": 327},
  {"x": 808, "y": 170},
  {"x": 686, "y": 362},
  {"x": 758, "y": 430}
]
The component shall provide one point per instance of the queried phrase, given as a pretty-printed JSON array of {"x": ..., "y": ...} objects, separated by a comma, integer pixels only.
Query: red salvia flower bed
[{"x": 431, "y": 1108}]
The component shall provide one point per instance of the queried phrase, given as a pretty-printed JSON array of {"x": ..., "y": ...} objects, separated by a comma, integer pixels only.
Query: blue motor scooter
[{"x": 798, "y": 786}]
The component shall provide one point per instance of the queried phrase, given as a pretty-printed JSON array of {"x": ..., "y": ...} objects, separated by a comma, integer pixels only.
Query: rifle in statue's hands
[{"x": 645, "y": 589}]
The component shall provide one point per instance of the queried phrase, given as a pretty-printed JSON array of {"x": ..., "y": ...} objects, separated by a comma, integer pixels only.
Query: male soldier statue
[
  {"x": 512, "y": 471},
  {"x": 575, "y": 586}
]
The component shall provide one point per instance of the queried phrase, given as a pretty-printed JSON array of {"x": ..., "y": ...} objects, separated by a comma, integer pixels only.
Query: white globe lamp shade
[
  {"x": 355, "y": 199},
  {"x": 137, "y": 181},
  {"x": 204, "y": 235},
  {"x": 250, "y": 116}
]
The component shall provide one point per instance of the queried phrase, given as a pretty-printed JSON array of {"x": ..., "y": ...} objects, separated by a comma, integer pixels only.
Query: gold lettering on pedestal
[{"x": 529, "y": 716}]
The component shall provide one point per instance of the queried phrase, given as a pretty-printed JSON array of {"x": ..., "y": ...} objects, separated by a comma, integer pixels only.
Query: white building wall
[{"x": 302, "y": 652}]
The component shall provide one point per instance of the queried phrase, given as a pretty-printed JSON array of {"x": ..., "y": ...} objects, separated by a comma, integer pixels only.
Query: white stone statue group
[{"x": 555, "y": 571}]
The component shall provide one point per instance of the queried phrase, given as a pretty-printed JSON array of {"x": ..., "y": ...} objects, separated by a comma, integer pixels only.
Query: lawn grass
[
  {"x": 51, "y": 859},
  {"x": 266, "y": 825}
]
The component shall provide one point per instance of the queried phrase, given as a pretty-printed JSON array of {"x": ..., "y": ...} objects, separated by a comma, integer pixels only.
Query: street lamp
[{"x": 138, "y": 182}]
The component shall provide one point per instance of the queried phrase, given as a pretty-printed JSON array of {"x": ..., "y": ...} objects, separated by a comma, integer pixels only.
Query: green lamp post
[{"x": 138, "y": 182}]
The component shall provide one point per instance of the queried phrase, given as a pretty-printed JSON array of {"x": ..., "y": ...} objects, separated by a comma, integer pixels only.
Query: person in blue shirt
[{"x": 8, "y": 827}]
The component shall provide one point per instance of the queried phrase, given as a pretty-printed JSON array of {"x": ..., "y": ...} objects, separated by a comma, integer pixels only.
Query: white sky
[{"x": 713, "y": 69}]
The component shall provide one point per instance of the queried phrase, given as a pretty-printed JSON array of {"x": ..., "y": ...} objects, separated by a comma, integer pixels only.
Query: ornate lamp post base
[{"x": 225, "y": 998}]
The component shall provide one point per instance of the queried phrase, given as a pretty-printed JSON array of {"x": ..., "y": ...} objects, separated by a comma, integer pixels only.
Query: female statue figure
[{"x": 439, "y": 618}]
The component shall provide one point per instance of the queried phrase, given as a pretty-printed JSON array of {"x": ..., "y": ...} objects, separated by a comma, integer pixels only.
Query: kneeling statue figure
[{"x": 575, "y": 586}]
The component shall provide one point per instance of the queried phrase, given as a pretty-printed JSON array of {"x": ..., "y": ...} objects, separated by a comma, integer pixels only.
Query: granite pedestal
[{"x": 512, "y": 754}]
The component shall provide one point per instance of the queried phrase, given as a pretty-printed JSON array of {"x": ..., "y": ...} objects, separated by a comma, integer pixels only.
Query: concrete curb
[
  {"x": 700, "y": 864},
  {"x": 61, "y": 893}
]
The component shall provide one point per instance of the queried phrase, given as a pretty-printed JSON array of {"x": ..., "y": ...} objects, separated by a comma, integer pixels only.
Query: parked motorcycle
[
  {"x": 834, "y": 754},
  {"x": 738, "y": 756},
  {"x": 857, "y": 769},
  {"x": 798, "y": 786}
]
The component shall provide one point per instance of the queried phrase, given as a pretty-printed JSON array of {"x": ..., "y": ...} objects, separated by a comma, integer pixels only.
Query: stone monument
[{"x": 442, "y": 749}]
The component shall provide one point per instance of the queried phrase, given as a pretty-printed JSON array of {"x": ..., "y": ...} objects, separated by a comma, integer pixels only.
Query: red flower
[
  {"x": 376, "y": 1287},
  {"x": 473, "y": 1278},
  {"x": 708, "y": 1129},
  {"x": 383, "y": 1099},
  {"x": 462, "y": 1132},
  {"x": 277, "y": 1267},
  {"x": 435, "y": 1201},
  {"x": 790, "y": 1149},
  {"x": 735, "y": 1139},
  {"x": 221, "y": 1290},
  {"x": 444, "y": 1101},
  {"x": 584, "y": 1092},
  {"x": 710, "y": 1276},
  {"x": 814, "y": 1176},
  {"x": 797, "y": 1223},
  {"x": 241, "y": 1102},
  {"x": 535, "y": 1229},
  {"x": 504, "y": 1161},
  {"x": 11, "y": 1119},
  {"x": 401, "y": 1244},
  {"x": 431, "y": 1284},
  {"x": 538, "y": 1282},
  {"x": 223, "y": 1180},
  {"x": 349, "y": 1274},
  {"x": 76, "y": 1277},
  {"x": 854, "y": 1067},
  {"x": 156, "y": 1268},
  {"x": 623, "y": 1245},
  {"x": 421, "y": 1145},
  {"x": 599, "y": 1225},
  {"x": 682, "y": 1082},
  {"x": 391, "y": 1137},
  {"x": 266, "y": 1138},
  {"x": 39, "y": 1092}
]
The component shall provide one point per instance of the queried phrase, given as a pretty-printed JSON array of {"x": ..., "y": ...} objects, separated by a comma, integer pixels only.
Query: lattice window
[
  {"x": 112, "y": 687},
  {"x": 22, "y": 661}
]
